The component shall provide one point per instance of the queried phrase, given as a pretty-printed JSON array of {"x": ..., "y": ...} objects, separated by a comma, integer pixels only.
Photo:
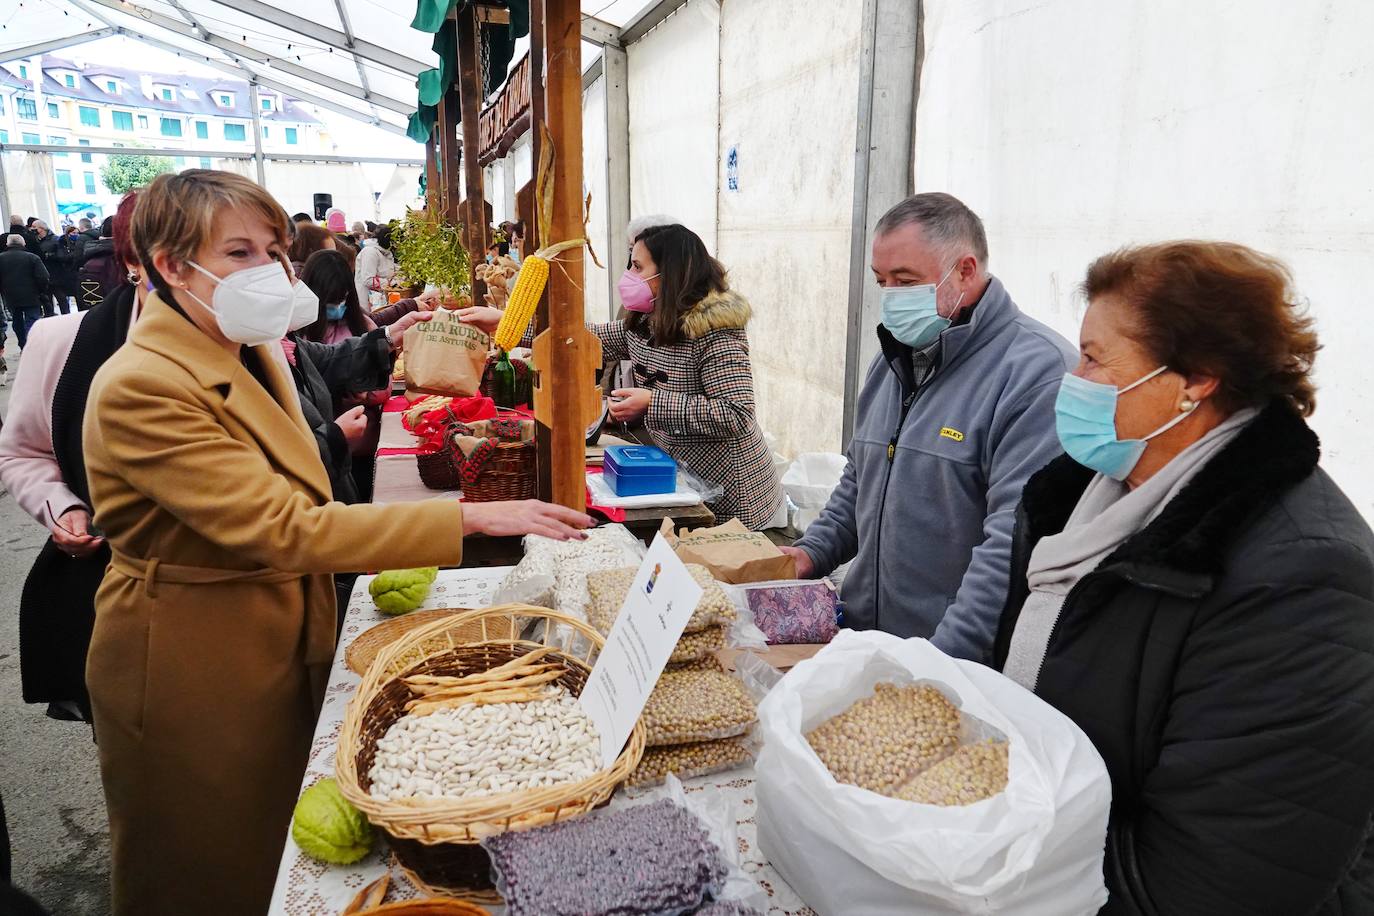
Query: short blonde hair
[{"x": 176, "y": 215}]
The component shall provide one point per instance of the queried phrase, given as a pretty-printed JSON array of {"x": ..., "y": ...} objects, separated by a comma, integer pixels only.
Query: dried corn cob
[{"x": 524, "y": 299}]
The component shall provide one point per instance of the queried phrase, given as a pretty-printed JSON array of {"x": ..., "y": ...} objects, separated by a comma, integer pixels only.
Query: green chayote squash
[
  {"x": 397, "y": 591},
  {"x": 326, "y": 827}
]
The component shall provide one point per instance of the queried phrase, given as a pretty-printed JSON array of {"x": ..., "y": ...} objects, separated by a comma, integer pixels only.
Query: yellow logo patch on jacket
[{"x": 947, "y": 432}]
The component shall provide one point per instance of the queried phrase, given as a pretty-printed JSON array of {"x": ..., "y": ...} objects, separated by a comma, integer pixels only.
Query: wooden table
[
  {"x": 396, "y": 479},
  {"x": 305, "y": 887}
]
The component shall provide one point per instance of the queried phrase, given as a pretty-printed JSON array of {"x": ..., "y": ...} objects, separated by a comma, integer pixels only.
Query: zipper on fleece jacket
[{"x": 907, "y": 403}]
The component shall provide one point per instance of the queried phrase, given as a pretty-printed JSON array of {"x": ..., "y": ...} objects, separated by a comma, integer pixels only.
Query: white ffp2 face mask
[
  {"x": 253, "y": 306},
  {"x": 305, "y": 306}
]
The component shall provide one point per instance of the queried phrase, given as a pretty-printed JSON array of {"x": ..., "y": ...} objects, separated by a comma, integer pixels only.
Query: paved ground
[{"x": 48, "y": 771}]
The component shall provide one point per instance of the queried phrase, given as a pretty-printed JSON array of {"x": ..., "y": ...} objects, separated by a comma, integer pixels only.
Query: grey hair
[
  {"x": 14, "y": 240},
  {"x": 637, "y": 226},
  {"x": 946, "y": 220}
]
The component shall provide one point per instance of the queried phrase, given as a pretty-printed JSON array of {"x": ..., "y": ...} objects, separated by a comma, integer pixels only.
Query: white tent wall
[
  {"x": 294, "y": 185},
  {"x": 1075, "y": 127},
  {"x": 674, "y": 115},
  {"x": 788, "y": 105},
  {"x": 401, "y": 191},
  {"x": 597, "y": 298},
  {"x": 29, "y": 184}
]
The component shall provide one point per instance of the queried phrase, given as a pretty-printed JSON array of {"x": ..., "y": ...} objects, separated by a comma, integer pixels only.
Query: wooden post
[
  {"x": 449, "y": 112},
  {"x": 529, "y": 211},
  {"x": 470, "y": 92},
  {"x": 573, "y": 352},
  {"x": 432, "y": 172}
]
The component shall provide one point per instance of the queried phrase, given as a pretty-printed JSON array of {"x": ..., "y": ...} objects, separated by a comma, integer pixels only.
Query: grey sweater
[{"x": 926, "y": 505}]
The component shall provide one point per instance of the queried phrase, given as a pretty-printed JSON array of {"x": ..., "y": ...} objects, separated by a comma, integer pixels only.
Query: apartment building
[{"x": 68, "y": 102}]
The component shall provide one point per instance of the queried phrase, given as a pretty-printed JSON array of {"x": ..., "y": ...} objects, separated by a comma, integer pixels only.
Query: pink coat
[{"x": 28, "y": 467}]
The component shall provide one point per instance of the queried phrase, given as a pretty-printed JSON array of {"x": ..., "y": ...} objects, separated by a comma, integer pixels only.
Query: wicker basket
[
  {"x": 364, "y": 649},
  {"x": 433, "y": 907},
  {"x": 437, "y": 470},
  {"x": 436, "y": 840},
  {"x": 512, "y": 472}
]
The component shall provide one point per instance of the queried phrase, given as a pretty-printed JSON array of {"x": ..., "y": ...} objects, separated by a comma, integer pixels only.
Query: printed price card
[{"x": 651, "y": 621}]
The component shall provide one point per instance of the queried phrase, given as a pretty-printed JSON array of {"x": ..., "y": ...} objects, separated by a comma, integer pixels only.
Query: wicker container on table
[{"x": 436, "y": 839}]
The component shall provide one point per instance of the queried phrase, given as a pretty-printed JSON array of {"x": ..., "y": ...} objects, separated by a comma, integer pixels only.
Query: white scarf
[{"x": 1107, "y": 515}]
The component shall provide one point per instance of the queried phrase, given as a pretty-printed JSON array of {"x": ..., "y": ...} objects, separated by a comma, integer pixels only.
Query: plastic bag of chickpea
[{"x": 932, "y": 785}]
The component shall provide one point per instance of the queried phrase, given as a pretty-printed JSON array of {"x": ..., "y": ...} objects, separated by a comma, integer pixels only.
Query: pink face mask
[{"x": 635, "y": 292}]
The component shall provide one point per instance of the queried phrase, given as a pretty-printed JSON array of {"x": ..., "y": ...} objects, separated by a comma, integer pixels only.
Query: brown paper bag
[
  {"x": 445, "y": 356},
  {"x": 732, "y": 552}
]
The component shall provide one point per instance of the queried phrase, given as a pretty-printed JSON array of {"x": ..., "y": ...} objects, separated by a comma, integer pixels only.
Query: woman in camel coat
[{"x": 215, "y": 624}]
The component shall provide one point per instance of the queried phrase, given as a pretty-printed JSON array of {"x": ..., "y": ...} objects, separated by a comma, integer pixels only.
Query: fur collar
[
  {"x": 1194, "y": 532},
  {"x": 717, "y": 312}
]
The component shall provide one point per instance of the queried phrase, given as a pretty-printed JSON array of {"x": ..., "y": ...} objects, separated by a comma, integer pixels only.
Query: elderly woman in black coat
[{"x": 1192, "y": 589}]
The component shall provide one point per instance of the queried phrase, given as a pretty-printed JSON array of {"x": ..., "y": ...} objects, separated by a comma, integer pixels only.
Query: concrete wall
[
  {"x": 788, "y": 106},
  {"x": 1074, "y": 127}
]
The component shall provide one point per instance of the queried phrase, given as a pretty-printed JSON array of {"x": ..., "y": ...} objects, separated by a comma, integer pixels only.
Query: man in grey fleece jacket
[{"x": 947, "y": 433}]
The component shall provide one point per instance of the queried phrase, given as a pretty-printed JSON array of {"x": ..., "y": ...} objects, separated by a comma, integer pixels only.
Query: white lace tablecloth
[{"x": 306, "y": 887}]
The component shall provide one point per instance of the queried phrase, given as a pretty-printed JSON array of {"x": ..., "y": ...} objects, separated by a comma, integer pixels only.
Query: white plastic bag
[
  {"x": 1035, "y": 849},
  {"x": 808, "y": 482}
]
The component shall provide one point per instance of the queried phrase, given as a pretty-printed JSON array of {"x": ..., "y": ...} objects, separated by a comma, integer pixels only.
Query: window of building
[
  {"x": 58, "y": 141},
  {"x": 181, "y": 162},
  {"x": 53, "y": 111},
  {"x": 167, "y": 94},
  {"x": 143, "y": 122},
  {"x": 123, "y": 120},
  {"x": 70, "y": 80},
  {"x": 90, "y": 182},
  {"x": 4, "y": 135},
  {"x": 64, "y": 179},
  {"x": 202, "y": 130},
  {"x": 171, "y": 127},
  {"x": 267, "y": 104},
  {"x": 291, "y": 135},
  {"x": 85, "y": 157},
  {"x": 111, "y": 86},
  {"x": 23, "y": 72},
  {"x": 27, "y": 109},
  {"x": 264, "y": 133},
  {"x": 226, "y": 99},
  {"x": 235, "y": 132},
  {"x": 205, "y": 163},
  {"x": 31, "y": 138},
  {"x": 90, "y": 116},
  {"x": 2, "y": 104}
]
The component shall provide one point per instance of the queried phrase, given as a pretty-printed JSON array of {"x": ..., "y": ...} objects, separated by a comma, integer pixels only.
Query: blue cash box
[{"x": 639, "y": 470}]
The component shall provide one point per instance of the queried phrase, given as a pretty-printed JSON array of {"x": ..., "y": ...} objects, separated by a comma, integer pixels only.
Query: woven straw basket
[
  {"x": 435, "y": 839},
  {"x": 362, "y": 651}
]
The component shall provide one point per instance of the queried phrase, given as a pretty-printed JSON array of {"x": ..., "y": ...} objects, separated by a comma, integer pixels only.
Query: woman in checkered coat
[{"x": 694, "y": 386}]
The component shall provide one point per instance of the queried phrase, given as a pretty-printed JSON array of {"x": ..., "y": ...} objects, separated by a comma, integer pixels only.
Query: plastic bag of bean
[
  {"x": 696, "y": 703},
  {"x": 553, "y": 574},
  {"x": 658, "y": 858},
  {"x": 607, "y": 591},
  {"x": 1013, "y": 796},
  {"x": 701, "y": 758}
]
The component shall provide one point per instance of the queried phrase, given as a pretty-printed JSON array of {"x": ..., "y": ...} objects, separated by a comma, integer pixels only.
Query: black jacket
[
  {"x": 23, "y": 279},
  {"x": 324, "y": 373},
  {"x": 99, "y": 275},
  {"x": 1222, "y": 662},
  {"x": 62, "y": 255}
]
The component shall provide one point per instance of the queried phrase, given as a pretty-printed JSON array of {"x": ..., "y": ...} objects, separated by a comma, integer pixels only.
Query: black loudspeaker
[{"x": 322, "y": 204}]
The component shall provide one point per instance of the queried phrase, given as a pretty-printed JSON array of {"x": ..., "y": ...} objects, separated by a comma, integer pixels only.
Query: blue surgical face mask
[
  {"x": 911, "y": 315},
  {"x": 335, "y": 312},
  {"x": 1085, "y": 418}
]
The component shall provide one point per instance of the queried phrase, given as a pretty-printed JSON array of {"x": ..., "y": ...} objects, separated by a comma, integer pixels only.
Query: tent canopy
[{"x": 359, "y": 58}]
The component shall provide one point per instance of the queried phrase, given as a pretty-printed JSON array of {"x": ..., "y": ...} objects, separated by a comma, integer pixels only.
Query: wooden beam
[
  {"x": 431, "y": 173},
  {"x": 471, "y": 92},
  {"x": 573, "y": 351},
  {"x": 528, "y": 209},
  {"x": 450, "y": 110}
]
